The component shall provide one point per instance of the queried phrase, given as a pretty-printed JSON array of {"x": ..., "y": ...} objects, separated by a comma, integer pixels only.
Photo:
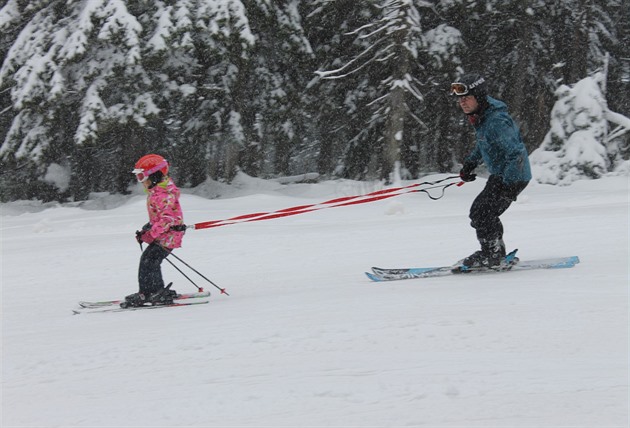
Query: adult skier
[
  {"x": 500, "y": 147},
  {"x": 163, "y": 233}
]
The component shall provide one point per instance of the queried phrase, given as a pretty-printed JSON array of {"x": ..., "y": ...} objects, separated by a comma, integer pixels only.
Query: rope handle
[{"x": 333, "y": 203}]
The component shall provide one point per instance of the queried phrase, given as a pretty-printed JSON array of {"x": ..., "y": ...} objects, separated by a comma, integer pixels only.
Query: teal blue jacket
[{"x": 500, "y": 145}]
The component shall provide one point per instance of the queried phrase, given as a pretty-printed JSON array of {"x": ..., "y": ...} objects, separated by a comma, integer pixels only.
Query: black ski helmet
[{"x": 470, "y": 84}]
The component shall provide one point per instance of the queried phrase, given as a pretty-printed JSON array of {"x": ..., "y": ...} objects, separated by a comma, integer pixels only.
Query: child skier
[{"x": 163, "y": 233}]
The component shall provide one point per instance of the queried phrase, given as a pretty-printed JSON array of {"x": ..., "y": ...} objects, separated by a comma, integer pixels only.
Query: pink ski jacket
[{"x": 165, "y": 212}]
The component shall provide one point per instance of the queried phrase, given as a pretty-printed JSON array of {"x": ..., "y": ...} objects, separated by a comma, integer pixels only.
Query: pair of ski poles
[
  {"x": 200, "y": 289},
  {"x": 196, "y": 271}
]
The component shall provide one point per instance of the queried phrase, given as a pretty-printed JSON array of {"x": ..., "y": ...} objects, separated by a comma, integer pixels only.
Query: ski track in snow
[{"x": 305, "y": 339}]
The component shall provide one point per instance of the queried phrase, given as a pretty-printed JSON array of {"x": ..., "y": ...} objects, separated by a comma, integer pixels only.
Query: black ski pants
[
  {"x": 150, "y": 270},
  {"x": 493, "y": 200}
]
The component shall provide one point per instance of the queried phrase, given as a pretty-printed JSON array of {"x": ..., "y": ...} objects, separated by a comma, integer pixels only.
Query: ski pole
[
  {"x": 200, "y": 289},
  {"x": 200, "y": 274}
]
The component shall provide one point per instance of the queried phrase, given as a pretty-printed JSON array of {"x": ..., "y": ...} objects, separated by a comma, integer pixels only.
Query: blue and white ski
[{"x": 511, "y": 263}]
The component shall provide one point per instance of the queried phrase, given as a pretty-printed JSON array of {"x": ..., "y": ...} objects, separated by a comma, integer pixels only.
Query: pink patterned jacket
[{"x": 165, "y": 212}]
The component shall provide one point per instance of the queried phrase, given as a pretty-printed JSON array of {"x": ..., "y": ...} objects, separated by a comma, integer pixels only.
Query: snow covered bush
[{"x": 580, "y": 143}]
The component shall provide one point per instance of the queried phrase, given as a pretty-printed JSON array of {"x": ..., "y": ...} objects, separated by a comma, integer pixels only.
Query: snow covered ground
[{"x": 305, "y": 339}]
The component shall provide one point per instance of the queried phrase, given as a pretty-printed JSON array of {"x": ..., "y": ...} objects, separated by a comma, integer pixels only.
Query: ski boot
[
  {"x": 134, "y": 300},
  {"x": 491, "y": 255},
  {"x": 163, "y": 296}
]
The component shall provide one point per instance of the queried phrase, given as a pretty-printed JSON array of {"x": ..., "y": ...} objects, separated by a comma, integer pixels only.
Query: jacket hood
[{"x": 495, "y": 104}]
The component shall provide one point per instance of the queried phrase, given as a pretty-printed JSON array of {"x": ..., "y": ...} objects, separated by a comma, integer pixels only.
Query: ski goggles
[
  {"x": 142, "y": 175},
  {"x": 461, "y": 89}
]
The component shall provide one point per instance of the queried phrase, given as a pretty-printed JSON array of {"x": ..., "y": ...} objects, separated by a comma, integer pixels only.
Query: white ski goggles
[
  {"x": 142, "y": 175},
  {"x": 461, "y": 89}
]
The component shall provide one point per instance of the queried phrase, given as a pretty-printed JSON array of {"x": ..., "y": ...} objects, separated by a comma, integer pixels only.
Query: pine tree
[
  {"x": 76, "y": 73},
  {"x": 619, "y": 67},
  {"x": 272, "y": 89},
  {"x": 395, "y": 61},
  {"x": 15, "y": 174},
  {"x": 338, "y": 113},
  {"x": 580, "y": 143},
  {"x": 213, "y": 132}
]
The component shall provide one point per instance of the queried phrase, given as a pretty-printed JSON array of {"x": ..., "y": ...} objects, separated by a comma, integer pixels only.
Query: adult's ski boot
[{"x": 491, "y": 255}]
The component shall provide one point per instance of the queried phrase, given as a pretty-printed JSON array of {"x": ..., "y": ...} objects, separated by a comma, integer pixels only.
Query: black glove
[
  {"x": 139, "y": 234},
  {"x": 466, "y": 173}
]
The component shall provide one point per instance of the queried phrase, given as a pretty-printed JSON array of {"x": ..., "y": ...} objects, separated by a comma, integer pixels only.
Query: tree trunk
[{"x": 393, "y": 133}]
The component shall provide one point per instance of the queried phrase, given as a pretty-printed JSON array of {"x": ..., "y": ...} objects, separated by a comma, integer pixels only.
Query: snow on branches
[{"x": 580, "y": 143}]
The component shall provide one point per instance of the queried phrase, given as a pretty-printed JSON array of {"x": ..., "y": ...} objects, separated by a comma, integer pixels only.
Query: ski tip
[
  {"x": 569, "y": 262},
  {"x": 373, "y": 277}
]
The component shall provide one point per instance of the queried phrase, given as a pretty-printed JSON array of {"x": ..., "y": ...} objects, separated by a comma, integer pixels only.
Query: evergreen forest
[{"x": 355, "y": 89}]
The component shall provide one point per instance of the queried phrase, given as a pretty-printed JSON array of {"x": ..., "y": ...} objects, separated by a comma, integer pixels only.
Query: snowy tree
[
  {"x": 170, "y": 58},
  {"x": 74, "y": 70},
  {"x": 514, "y": 50},
  {"x": 206, "y": 43},
  {"x": 95, "y": 84},
  {"x": 396, "y": 59},
  {"x": 272, "y": 90},
  {"x": 337, "y": 108},
  {"x": 246, "y": 112},
  {"x": 618, "y": 84},
  {"x": 580, "y": 142},
  {"x": 16, "y": 173}
]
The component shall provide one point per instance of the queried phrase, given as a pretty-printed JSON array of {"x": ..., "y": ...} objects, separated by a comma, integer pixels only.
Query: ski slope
[{"x": 305, "y": 339}]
